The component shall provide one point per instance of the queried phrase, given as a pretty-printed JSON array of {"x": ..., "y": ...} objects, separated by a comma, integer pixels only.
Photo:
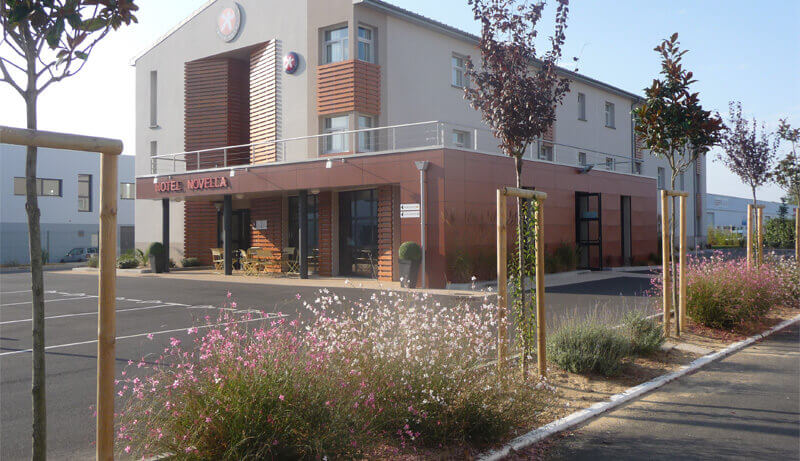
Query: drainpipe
[
  {"x": 165, "y": 229},
  {"x": 422, "y": 167},
  {"x": 227, "y": 209},
  {"x": 302, "y": 232}
]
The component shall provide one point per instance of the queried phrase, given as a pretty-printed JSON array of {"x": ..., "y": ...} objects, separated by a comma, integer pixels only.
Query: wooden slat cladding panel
[
  {"x": 325, "y": 223},
  {"x": 385, "y": 240},
  {"x": 264, "y": 102},
  {"x": 216, "y": 111},
  {"x": 268, "y": 209},
  {"x": 199, "y": 230},
  {"x": 349, "y": 86}
]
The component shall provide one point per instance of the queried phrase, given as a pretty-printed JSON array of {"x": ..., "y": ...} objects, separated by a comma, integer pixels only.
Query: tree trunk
[
  {"x": 525, "y": 320},
  {"x": 38, "y": 390}
]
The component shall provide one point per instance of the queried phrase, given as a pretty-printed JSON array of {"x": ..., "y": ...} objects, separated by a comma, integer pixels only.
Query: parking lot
[{"x": 161, "y": 308}]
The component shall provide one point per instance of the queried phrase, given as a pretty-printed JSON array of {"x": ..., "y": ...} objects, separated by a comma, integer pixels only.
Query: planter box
[{"x": 409, "y": 271}]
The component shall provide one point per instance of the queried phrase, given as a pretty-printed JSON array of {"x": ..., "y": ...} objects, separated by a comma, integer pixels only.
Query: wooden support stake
[
  {"x": 666, "y": 241},
  {"x": 541, "y": 341},
  {"x": 681, "y": 317},
  {"x": 749, "y": 235},
  {"x": 502, "y": 281},
  {"x": 760, "y": 236}
]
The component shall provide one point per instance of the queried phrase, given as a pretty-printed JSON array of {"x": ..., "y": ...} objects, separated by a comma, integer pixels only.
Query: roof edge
[
  {"x": 474, "y": 39},
  {"x": 171, "y": 31}
]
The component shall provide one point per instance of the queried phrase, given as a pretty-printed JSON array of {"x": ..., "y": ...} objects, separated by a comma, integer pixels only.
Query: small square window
[
  {"x": 610, "y": 122},
  {"x": 461, "y": 138},
  {"x": 546, "y": 152},
  {"x": 127, "y": 191},
  {"x": 459, "y": 69}
]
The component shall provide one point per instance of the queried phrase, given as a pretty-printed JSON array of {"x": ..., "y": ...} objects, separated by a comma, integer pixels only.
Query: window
[
  {"x": 661, "y": 177},
  {"x": 682, "y": 182},
  {"x": 294, "y": 222},
  {"x": 546, "y": 152},
  {"x": 581, "y": 106},
  {"x": 84, "y": 192},
  {"x": 460, "y": 138},
  {"x": 609, "y": 163},
  {"x": 335, "y": 142},
  {"x": 582, "y": 158},
  {"x": 153, "y": 152},
  {"x": 153, "y": 99},
  {"x": 336, "y": 45},
  {"x": 365, "y": 49},
  {"x": 459, "y": 65},
  {"x": 127, "y": 190},
  {"x": 610, "y": 115},
  {"x": 366, "y": 139},
  {"x": 44, "y": 187},
  {"x": 637, "y": 167}
]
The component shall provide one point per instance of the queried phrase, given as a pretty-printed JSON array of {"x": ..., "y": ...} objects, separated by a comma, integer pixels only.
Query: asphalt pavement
[
  {"x": 746, "y": 406},
  {"x": 165, "y": 308}
]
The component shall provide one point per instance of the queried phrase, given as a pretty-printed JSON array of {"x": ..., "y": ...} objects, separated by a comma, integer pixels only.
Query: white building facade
[
  {"x": 725, "y": 211},
  {"x": 69, "y": 200}
]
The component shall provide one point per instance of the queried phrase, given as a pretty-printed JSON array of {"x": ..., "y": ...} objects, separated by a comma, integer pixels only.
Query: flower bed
[{"x": 391, "y": 371}]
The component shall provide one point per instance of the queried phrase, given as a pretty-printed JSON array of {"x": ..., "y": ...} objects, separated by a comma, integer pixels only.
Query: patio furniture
[
  {"x": 365, "y": 257},
  {"x": 267, "y": 261},
  {"x": 289, "y": 260},
  {"x": 248, "y": 262},
  {"x": 218, "y": 259}
]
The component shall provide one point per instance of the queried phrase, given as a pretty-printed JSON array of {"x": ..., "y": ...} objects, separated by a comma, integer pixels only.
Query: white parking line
[
  {"x": 154, "y": 333},
  {"x": 89, "y": 313},
  {"x": 46, "y": 300},
  {"x": 14, "y": 292}
]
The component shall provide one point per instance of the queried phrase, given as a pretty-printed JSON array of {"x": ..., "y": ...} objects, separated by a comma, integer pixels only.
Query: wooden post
[
  {"x": 749, "y": 235},
  {"x": 502, "y": 281},
  {"x": 541, "y": 342},
  {"x": 665, "y": 246},
  {"x": 681, "y": 317},
  {"x": 106, "y": 319},
  {"x": 760, "y": 236}
]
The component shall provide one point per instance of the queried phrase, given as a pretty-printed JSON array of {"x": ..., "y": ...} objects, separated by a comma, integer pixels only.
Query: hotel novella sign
[{"x": 192, "y": 185}]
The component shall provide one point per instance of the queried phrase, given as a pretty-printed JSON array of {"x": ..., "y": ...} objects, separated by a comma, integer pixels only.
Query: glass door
[
  {"x": 589, "y": 230},
  {"x": 358, "y": 233}
]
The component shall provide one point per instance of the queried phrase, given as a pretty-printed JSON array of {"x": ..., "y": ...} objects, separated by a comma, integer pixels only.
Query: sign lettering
[{"x": 195, "y": 184}]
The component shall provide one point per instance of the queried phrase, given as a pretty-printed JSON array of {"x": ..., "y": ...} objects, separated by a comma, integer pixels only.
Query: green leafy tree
[
  {"x": 44, "y": 42},
  {"x": 517, "y": 89},
  {"x": 672, "y": 124},
  {"x": 787, "y": 172}
]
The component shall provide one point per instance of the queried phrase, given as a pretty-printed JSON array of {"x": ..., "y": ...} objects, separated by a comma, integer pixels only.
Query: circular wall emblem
[
  {"x": 229, "y": 21},
  {"x": 291, "y": 62}
]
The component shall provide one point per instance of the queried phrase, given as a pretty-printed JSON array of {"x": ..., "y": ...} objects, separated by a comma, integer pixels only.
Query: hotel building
[{"x": 268, "y": 117}]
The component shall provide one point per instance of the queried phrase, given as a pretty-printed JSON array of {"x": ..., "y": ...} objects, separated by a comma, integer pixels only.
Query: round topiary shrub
[
  {"x": 410, "y": 251},
  {"x": 587, "y": 346},
  {"x": 156, "y": 249}
]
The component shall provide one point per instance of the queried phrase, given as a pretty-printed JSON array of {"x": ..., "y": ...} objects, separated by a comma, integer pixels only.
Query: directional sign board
[{"x": 409, "y": 210}]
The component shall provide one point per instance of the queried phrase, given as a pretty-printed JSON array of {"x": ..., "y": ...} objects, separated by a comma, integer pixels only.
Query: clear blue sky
[{"x": 739, "y": 50}]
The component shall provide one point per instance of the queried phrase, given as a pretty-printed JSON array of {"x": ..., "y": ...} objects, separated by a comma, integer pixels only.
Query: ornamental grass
[{"x": 394, "y": 370}]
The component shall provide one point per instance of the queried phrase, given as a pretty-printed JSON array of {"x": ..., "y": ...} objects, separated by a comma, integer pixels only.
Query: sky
[{"x": 738, "y": 50}]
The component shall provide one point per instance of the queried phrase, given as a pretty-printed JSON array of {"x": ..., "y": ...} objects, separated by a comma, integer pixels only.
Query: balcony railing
[{"x": 381, "y": 140}]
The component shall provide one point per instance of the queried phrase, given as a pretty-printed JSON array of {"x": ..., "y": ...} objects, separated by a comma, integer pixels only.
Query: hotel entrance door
[{"x": 358, "y": 233}]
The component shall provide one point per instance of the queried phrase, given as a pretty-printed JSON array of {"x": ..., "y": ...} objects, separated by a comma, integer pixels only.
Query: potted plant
[
  {"x": 157, "y": 257},
  {"x": 410, "y": 255}
]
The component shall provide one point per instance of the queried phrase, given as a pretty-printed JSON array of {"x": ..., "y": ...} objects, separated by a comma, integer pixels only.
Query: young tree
[
  {"x": 672, "y": 124},
  {"x": 787, "y": 171},
  {"x": 747, "y": 153},
  {"x": 516, "y": 89},
  {"x": 43, "y": 43}
]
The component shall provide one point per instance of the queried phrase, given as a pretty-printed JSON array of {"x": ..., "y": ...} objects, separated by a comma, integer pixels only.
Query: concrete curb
[{"x": 597, "y": 409}]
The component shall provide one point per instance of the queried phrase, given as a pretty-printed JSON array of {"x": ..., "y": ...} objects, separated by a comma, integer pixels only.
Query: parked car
[{"x": 79, "y": 254}]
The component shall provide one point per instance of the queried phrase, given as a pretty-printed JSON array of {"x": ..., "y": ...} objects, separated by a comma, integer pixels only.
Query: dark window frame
[
  {"x": 89, "y": 197},
  {"x": 39, "y": 187}
]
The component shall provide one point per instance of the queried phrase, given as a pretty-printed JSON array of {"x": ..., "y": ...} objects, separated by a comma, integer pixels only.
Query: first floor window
[
  {"x": 460, "y": 138},
  {"x": 127, "y": 191},
  {"x": 459, "y": 69},
  {"x": 336, "y": 43},
  {"x": 366, "y": 139},
  {"x": 581, "y": 106},
  {"x": 662, "y": 177},
  {"x": 365, "y": 48},
  {"x": 637, "y": 167},
  {"x": 546, "y": 152},
  {"x": 582, "y": 158},
  {"x": 44, "y": 187},
  {"x": 610, "y": 122},
  {"x": 84, "y": 192},
  {"x": 609, "y": 163},
  {"x": 335, "y": 143}
]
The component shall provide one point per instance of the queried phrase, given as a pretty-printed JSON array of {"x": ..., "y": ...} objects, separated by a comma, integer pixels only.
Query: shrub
[
  {"x": 190, "y": 262},
  {"x": 588, "y": 346},
  {"x": 720, "y": 237},
  {"x": 388, "y": 369},
  {"x": 645, "y": 334},
  {"x": 779, "y": 233},
  {"x": 478, "y": 262},
  {"x": 410, "y": 251},
  {"x": 127, "y": 262},
  {"x": 564, "y": 258},
  {"x": 93, "y": 261},
  {"x": 155, "y": 249}
]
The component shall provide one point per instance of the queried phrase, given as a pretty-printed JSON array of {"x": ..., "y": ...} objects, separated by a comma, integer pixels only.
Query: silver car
[{"x": 79, "y": 254}]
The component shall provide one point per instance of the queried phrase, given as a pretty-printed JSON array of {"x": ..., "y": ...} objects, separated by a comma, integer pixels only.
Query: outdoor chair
[
  {"x": 218, "y": 259},
  {"x": 266, "y": 261},
  {"x": 248, "y": 263},
  {"x": 289, "y": 260}
]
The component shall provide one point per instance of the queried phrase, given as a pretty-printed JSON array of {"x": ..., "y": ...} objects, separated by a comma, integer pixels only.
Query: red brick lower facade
[
  {"x": 199, "y": 230},
  {"x": 270, "y": 210}
]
